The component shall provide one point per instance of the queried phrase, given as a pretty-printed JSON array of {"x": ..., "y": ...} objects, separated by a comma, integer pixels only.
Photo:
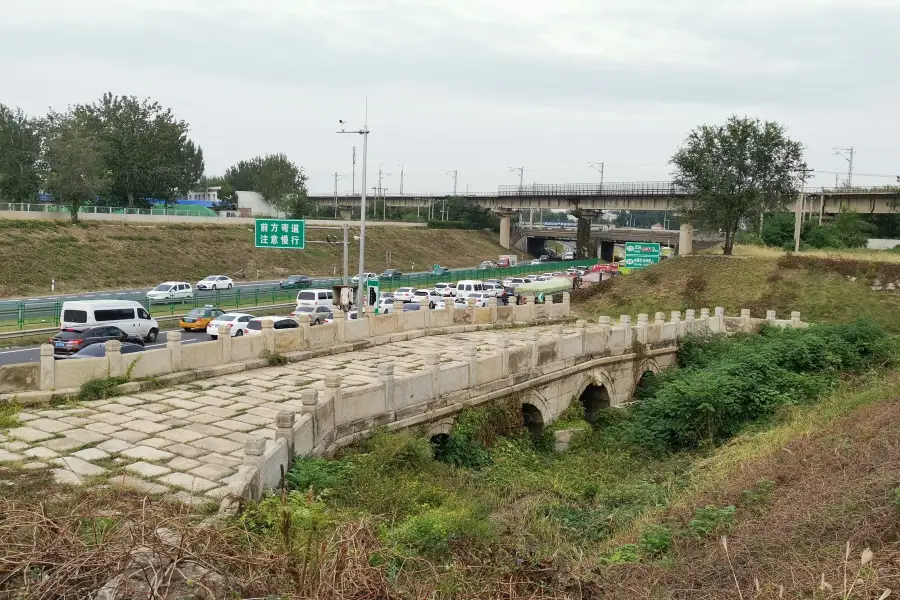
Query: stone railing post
[
  {"x": 386, "y": 375},
  {"x": 690, "y": 318},
  {"x": 225, "y": 343},
  {"x": 718, "y": 321},
  {"x": 433, "y": 364},
  {"x": 746, "y": 327},
  {"x": 48, "y": 368},
  {"x": 625, "y": 322},
  {"x": 268, "y": 331},
  {"x": 333, "y": 391},
  {"x": 659, "y": 319},
  {"x": 771, "y": 316},
  {"x": 284, "y": 429},
  {"x": 641, "y": 328},
  {"x": 581, "y": 330},
  {"x": 173, "y": 345},
  {"x": 795, "y": 319},
  {"x": 534, "y": 342},
  {"x": 503, "y": 347},
  {"x": 114, "y": 357},
  {"x": 309, "y": 399},
  {"x": 426, "y": 316},
  {"x": 340, "y": 321},
  {"x": 471, "y": 354},
  {"x": 397, "y": 306},
  {"x": 254, "y": 448},
  {"x": 676, "y": 320},
  {"x": 567, "y": 298}
]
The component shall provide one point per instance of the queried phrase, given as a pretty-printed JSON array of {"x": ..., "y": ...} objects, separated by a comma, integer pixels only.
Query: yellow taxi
[{"x": 199, "y": 318}]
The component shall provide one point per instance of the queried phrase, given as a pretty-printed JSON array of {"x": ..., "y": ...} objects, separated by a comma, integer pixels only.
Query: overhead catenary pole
[
  {"x": 360, "y": 295},
  {"x": 353, "y": 186},
  {"x": 600, "y": 167},
  {"x": 381, "y": 175},
  {"x": 336, "y": 177},
  {"x": 847, "y": 154},
  {"x": 401, "y": 180},
  {"x": 521, "y": 172},
  {"x": 455, "y": 174}
]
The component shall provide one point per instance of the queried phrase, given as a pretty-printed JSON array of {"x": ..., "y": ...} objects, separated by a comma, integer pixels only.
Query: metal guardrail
[{"x": 100, "y": 210}]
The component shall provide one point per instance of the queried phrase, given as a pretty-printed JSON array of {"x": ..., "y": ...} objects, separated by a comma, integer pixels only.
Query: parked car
[
  {"x": 442, "y": 289},
  {"x": 99, "y": 350},
  {"x": 544, "y": 257},
  {"x": 494, "y": 289},
  {"x": 254, "y": 326},
  {"x": 385, "y": 306},
  {"x": 295, "y": 281},
  {"x": 536, "y": 261},
  {"x": 429, "y": 297},
  {"x": 316, "y": 297},
  {"x": 404, "y": 294},
  {"x": 367, "y": 276},
  {"x": 447, "y": 292},
  {"x": 481, "y": 298},
  {"x": 72, "y": 339},
  {"x": 503, "y": 263},
  {"x": 215, "y": 282},
  {"x": 317, "y": 314},
  {"x": 487, "y": 264},
  {"x": 391, "y": 274},
  {"x": 568, "y": 255},
  {"x": 127, "y": 315},
  {"x": 198, "y": 319},
  {"x": 171, "y": 291},
  {"x": 236, "y": 322}
]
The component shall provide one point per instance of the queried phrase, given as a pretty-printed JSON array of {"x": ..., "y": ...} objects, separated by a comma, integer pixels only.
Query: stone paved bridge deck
[{"x": 189, "y": 440}]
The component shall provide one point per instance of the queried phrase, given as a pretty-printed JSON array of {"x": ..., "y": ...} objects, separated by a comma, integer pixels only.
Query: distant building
[
  {"x": 251, "y": 204},
  {"x": 210, "y": 194}
]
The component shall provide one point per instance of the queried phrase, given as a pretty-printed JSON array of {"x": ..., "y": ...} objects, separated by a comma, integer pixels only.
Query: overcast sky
[{"x": 474, "y": 85}]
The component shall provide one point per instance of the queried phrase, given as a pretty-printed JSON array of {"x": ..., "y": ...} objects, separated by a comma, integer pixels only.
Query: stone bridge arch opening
[
  {"x": 642, "y": 383},
  {"x": 439, "y": 434},
  {"x": 595, "y": 398},
  {"x": 533, "y": 419}
]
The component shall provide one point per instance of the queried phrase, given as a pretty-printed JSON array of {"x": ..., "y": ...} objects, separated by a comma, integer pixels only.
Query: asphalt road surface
[{"x": 11, "y": 356}]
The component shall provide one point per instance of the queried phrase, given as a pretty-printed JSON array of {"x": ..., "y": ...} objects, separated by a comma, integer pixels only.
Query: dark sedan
[
  {"x": 295, "y": 281},
  {"x": 391, "y": 274},
  {"x": 99, "y": 351},
  {"x": 71, "y": 339}
]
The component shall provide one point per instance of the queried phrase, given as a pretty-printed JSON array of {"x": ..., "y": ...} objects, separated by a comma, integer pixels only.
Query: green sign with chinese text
[
  {"x": 641, "y": 254},
  {"x": 284, "y": 234}
]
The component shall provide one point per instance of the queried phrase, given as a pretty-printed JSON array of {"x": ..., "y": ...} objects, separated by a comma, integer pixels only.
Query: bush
[
  {"x": 434, "y": 532},
  {"x": 724, "y": 384},
  {"x": 710, "y": 520},
  {"x": 477, "y": 429},
  {"x": 317, "y": 473},
  {"x": 655, "y": 541}
]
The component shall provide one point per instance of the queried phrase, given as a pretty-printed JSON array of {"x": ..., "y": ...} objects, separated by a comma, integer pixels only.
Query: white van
[
  {"x": 468, "y": 286},
  {"x": 127, "y": 315},
  {"x": 315, "y": 297}
]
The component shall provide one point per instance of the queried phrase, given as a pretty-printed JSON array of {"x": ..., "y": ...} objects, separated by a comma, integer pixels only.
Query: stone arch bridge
[{"x": 547, "y": 368}]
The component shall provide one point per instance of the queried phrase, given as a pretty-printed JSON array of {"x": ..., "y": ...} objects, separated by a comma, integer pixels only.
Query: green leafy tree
[
  {"x": 20, "y": 155},
  {"x": 280, "y": 182},
  {"x": 227, "y": 196},
  {"x": 146, "y": 149},
  {"x": 77, "y": 172},
  {"x": 736, "y": 172}
]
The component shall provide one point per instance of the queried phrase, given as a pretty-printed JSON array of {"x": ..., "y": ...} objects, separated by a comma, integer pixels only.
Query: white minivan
[
  {"x": 127, "y": 315},
  {"x": 315, "y": 297},
  {"x": 468, "y": 286}
]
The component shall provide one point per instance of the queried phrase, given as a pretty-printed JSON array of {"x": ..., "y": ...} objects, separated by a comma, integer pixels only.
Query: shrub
[
  {"x": 655, "y": 541},
  {"x": 317, "y": 473},
  {"x": 477, "y": 429},
  {"x": 434, "y": 532},
  {"x": 711, "y": 520},
  {"x": 9, "y": 416},
  {"x": 625, "y": 554},
  {"x": 589, "y": 524},
  {"x": 274, "y": 359}
]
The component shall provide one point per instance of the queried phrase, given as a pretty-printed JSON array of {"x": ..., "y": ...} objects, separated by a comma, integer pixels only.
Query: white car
[
  {"x": 494, "y": 289},
  {"x": 215, "y": 282},
  {"x": 444, "y": 289},
  {"x": 236, "y": 322},
  {"x": 171, "y": 291},
  {"x": 317, "y": 314},
  {"x": 404, "y": 294},
  {"x": 429, "y": 297},
  {"x": 385, "y": 306},
  {"x": 481, "y": 298},
  {"x": 254, "y": 327},
  {"x": 535, "y": 262}
]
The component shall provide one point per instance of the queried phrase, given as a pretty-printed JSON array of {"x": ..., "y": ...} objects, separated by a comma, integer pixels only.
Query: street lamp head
[{"x": 342, "y": 124}]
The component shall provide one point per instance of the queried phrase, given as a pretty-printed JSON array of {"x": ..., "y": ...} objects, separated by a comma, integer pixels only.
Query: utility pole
[
  {"x": 336, "y": 177},
  {"x": 401, "y": 180},
  {"x": 455, "y": 174},
  {"x": 521, "y": 172},
  {"x": 381, "y": 175},
  {"x": 798, "y": 210},
  {"x": 600, "y": 167},
  {"x": 353, "y": 188},
  {"x": 346, "y": 229},
  {"x": 847, "y": 154},
  {"x": 360, "y": 294}
]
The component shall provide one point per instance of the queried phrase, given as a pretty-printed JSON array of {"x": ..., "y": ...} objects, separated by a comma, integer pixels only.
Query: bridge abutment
[
  {"x": 505, "y": 227},
  {"x": 685, "y": 239}
]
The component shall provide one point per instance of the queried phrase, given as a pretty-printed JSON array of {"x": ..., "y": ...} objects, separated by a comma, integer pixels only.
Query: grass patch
[
  {"x": 9, "y": 416},
  {"x": 98, "y": 389}
]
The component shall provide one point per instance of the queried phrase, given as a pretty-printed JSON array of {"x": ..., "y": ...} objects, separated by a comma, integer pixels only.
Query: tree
[
  {"x": 146, "y": 149},
  {"x": 77, "y": 171},
  {"x": 20, "y": 155},
  {"x": 736, "y": 172},
  {"x": 280, "y": 182},
  {"x": 227, "y": 197}
]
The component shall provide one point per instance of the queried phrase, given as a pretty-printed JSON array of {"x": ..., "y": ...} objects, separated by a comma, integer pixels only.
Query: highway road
[{"x": 11, "y": 356}]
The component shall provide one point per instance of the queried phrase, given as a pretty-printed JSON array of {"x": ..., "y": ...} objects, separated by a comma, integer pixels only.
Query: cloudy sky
[{"x": 476, "y": 86}]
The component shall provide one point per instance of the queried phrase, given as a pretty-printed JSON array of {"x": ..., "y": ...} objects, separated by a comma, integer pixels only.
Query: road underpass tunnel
[
  {"x": 594, "y": 398},
  {"x": 533, "y": 420}
]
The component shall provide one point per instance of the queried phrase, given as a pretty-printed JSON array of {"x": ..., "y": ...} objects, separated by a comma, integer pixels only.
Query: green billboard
[
  {"x": 284, "y": 234},
  {"x": 641, "y": 254}
]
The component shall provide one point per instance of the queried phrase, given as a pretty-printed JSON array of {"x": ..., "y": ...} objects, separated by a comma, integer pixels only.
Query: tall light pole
[
  {"x": 362, "y": 210},
  {"x": 336, "y": 177},
  {"x": 455, "y": 174}
]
